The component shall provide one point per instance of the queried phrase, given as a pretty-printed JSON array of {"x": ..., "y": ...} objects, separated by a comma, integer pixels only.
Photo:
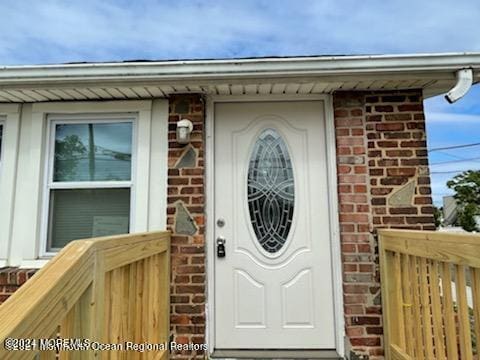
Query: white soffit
[{"x": 434, "y": 73}]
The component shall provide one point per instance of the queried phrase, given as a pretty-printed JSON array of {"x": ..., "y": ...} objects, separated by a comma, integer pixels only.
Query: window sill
[{"x": 33, "y": 264}]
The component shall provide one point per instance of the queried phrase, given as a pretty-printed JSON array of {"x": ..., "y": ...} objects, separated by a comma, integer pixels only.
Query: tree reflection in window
[{"x": 93, "y": 152}]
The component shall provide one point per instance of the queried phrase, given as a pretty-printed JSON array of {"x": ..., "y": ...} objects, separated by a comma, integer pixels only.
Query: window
[
  {"x": 90, "y": 184},
  {"x": 271, "y": 192}
]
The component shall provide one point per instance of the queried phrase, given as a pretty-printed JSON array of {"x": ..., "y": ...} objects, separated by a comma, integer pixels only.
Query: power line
[
  {"x": 448, "y": 172},
  {"x": 455, "y": 161},
  {"x": 451, "y": 155},
  {"x": 454, "y": 147}
]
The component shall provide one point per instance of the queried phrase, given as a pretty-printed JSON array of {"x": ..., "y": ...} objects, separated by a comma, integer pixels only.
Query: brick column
[
  {"x": 185, "y": 218},
  {"x": 383, "y": 181}
]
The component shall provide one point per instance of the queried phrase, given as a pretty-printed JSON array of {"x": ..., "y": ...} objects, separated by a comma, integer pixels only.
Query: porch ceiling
[
  {"x": 434, "y": 73},
  {"x": 142, "y": 91}
]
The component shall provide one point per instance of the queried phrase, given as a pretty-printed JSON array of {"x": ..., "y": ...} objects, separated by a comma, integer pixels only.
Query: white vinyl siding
[
  {"x": 2, "y": 122},
  {"x": 9, "y": 123}
]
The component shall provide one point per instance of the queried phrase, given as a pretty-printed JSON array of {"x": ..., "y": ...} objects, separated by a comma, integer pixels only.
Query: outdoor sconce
[{"x": 184, "y": 129}]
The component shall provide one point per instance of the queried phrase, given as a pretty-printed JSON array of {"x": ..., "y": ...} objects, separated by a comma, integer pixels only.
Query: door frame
[{"x": 335, "y": 247}]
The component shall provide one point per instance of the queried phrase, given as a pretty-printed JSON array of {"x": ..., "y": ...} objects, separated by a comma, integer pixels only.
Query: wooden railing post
[
  {"x": 76, "y": 325},
  {"x": 97, "y": 324},
  {"x": 388, "y": 294},
  {"x": 164, "y": 319}
]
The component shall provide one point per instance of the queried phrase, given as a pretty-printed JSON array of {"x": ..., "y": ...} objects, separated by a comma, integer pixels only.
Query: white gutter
[
  {"x": 242, "y": 68},
  {"x": 464, "y": 83}
]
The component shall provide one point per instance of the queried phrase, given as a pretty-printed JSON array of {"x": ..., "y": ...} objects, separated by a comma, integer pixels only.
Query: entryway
[{"x": 272, "y": 227}]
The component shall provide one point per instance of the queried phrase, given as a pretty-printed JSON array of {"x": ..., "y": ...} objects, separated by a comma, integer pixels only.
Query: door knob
[{"x": 221, "y": 246}]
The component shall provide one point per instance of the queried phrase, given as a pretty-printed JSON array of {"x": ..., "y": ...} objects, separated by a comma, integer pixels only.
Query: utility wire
[
  {"x": 454, "y": 147},
  {"x": 455, "y": 161},
  {"x": 448, "y": 172},
  {"x": 451, "y": 155}
]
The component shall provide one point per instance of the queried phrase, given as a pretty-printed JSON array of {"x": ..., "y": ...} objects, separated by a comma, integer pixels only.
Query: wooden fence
[
  {"x": 109, "y": 290},
  {"x": 430, "y": 294}
]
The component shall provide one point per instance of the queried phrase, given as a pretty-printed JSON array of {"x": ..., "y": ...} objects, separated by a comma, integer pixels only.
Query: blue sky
[{"x": 53, "y": 31}]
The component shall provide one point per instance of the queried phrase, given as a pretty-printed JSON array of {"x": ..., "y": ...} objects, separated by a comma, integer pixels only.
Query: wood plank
[
  {"x": 426, "y": 310},
  {"x": 146, "y": 305},
  {"x": 154, "y": 301},
  {"x": 107, "y": 320},
  {"x": 161, "y": 355},
  {"x": 417, "y": 317},
  {"x": 448, "y": 313},
  {"x": 475, "y": 273},
  {"x": 77, "y": 325},
  {"x": 407, "y": 304},
  {"x": 439, "y": 340},
  {"x": 387, "y": 288},
  {"x": 75, "y": 285},
  {"x": 398, "y": 354},
  {"x": 51, "y": 293},
  {"x": 118, "y": 256},
  {"x": 164, "y": 297},
  {"x": 463, "y": 316},
  {"x": 397, "y": 306},
  {"x": 98, "y": 308},
  {"x": 443, "y": 247},
  {"x": 49, "y": 354},
  {"x": 138, "y": 299}
]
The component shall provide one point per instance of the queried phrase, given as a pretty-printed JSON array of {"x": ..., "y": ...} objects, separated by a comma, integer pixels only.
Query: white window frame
[{"x": 70, "y": 119}]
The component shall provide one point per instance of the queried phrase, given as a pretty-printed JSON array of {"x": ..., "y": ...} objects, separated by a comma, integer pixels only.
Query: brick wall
[
  {"x": 185, "y": 218},
  {"x": 11, "y": 278},
  {"x": 383, "y": 181}
]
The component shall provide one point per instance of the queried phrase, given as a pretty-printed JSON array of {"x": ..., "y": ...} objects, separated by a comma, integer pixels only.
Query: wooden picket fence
[
  {"x": 107, "y": 290},
  {"x": 430, "y": 294}
]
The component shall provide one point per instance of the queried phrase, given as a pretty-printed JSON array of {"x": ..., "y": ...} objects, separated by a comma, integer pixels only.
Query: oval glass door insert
[{"x": 271, "y": 190}]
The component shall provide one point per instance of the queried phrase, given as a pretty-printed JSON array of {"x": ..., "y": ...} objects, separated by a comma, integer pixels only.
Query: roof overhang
[{"x": 434, "y": 73}]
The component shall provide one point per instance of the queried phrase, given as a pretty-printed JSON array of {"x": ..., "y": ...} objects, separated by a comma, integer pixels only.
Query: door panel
[{"x": 273, "y": 289}]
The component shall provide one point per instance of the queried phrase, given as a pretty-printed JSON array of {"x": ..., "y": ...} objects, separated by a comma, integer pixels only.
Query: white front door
[{"x": 273, "y": 287}]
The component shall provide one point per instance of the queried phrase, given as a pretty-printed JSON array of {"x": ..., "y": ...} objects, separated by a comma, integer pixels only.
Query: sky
[{"x": 57, "y": 31}]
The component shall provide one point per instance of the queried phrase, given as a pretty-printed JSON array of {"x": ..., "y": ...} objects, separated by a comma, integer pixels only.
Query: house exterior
[{"x": 273, "y": 189}]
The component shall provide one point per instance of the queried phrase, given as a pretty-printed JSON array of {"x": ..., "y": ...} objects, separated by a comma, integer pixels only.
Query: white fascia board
[{"x": 241, "y": 68}]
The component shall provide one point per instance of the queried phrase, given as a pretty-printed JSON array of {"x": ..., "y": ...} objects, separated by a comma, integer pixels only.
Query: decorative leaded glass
[{"x": 271, "y": 192}]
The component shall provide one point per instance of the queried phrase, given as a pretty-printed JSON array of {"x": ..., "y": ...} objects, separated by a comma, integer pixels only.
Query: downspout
[{"x": 464, "y": 83}]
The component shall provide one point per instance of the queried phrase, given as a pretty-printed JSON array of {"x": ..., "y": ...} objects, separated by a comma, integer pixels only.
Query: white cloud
[{"x": 56, "y": 31}]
